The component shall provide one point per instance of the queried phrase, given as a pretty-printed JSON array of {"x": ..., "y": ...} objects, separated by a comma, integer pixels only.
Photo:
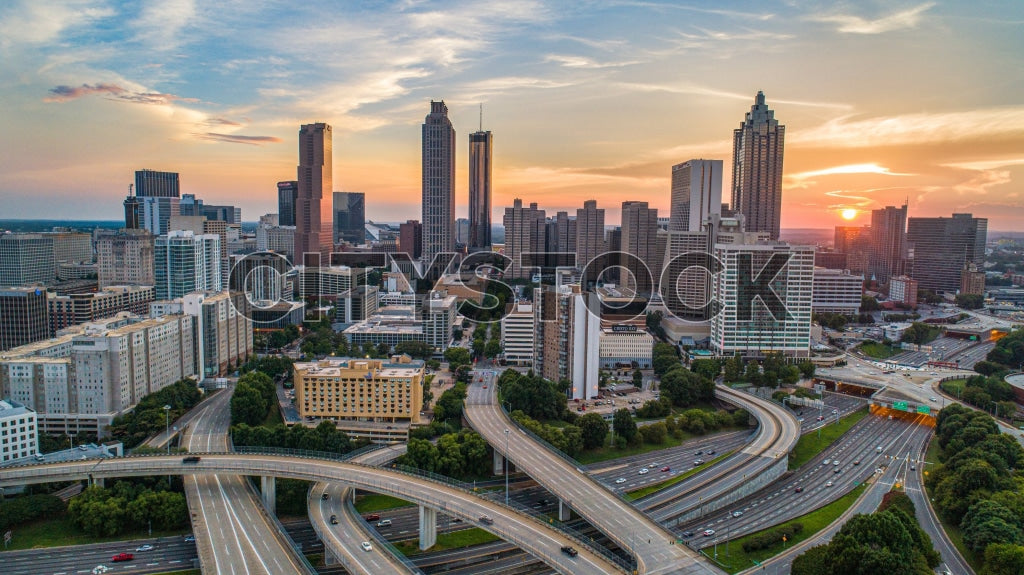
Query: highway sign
[
  {"x": 924, "y": 409},
  {"x": 900, "y": 405}
]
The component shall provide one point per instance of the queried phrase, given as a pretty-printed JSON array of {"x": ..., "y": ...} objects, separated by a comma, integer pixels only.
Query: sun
[{"x": 849, "y": 213}]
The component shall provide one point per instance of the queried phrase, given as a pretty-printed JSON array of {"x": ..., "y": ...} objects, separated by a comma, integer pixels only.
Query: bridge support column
[
  {"x": 428, "y": 527},
  {"x": 564, "y": 513},
  {"x": 95, "y": 482},
  {"x": 499, "y": 463},
  {"x": 268, "y": 488}
]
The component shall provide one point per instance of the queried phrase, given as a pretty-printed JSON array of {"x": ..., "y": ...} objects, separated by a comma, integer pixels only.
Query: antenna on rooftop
[
  {"x": 481, "y": 116},
  {"x": 131, "y": 187}
]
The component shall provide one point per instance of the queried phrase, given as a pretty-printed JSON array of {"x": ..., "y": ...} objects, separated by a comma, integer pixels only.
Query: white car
[
  {"x": 620, "y": 480},
  {"x": 932, "y": 399},
  {"x": 644, "y": 471},
  {"x": 737, "y": 513},
  {"x": 709, "y": 532},
  {"x": 366, "y": 546},
  {"x": 100, "y": 569},
  {"x": 835, "y": 462},
  {"x": 146, "y": 547},
  {"x": 827, "y": 461},
  {"x": 828, "y": 484}
]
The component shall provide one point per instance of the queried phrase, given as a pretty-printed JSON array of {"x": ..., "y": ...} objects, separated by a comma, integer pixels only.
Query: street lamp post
[{"x": 506, "y": 466}]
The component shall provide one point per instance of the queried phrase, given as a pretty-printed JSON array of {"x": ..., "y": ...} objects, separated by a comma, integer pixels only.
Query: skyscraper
[
  {"x": 757, "y": 169},
  {"x": 943, "y": 246},
  {"x": 888, "y": 242},
  {"x": 287, "y": 192},
  {"x": 589, "y": 236},
  {"x": 313, "y": 214},
  {"x": 560, "y": 232},
  {"x": 696, "y": 194},
  {"x": 480, "y": 157},
  {"x": 184, "y": 262},
  {"x": 640, "y": 240},
  {"x": 524, "y": 233},
  {"x": 125, "y": 257},
  {"x": 23, "y": 316},
  {"x": 26, "y": 259},
  {"x": 438, "y": 158},
  {"x": 350, "y": 218},
  {"x": 154, "y": 184},
  {"x": 410, "y": 238}
]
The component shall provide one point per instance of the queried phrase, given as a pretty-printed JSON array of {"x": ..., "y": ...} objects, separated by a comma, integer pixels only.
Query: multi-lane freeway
[{"x": 168, "y": 554}]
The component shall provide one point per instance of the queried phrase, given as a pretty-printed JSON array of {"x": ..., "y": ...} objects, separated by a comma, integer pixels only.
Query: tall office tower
[
  {"x": 640, "y": 240},
  {"x": 567, "y": 337},
  {"x": 125, "y": 257},
  {"x": 752, "y": 330},
  {"x": 943, "y": 246},
  {"x": 560, "y": 232},
  {"x": 589, "y": 236},
  {"x": 696, "y": 194},
  {"x": 26, "y": 259},
  {"x": 132, "y": 211},
  {"x": 462, "y": 231},
  {"x": 260, "y": 276},
  {"x": 851, "y": 238},
  {"x": 71, "y": 247},
  {"x": 313, "y": 213},
  {"x": 350, "y": 218},
  {"x": 287, "y": 193},
  {"x": 524, "y": 233},
  {"x": 481, "y": 152},
  {"x": 278, "y": 239},
  {"x": 184, "y": 262},
  {"x": 685, "y": 289},
  {"x": 23, "y": 316},
  {"x": 153, "y": 184},
  {"x": 156, "y": 213},
  {"x": 438, "y": 159},
  {"x": 229, "y": 214},
  {"x": 225, "y": 331},
  {"x": 888, "y": 242},
  {"x": 410, "y": 238},
  {"x": 190, "y": 205},
  {"x": 757, "y": 148}
]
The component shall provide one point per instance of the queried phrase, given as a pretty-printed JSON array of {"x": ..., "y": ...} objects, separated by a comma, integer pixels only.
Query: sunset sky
[{"x": 882, "y": 100}]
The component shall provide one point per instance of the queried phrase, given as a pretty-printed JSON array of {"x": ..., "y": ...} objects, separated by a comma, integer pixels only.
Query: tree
[
  {"x": 624, "y": 425},
  {"x": 1003, "y": 559},
  {"x": 734, "y": 369},
  {"x": 492, "y": 349},
  {"x": 663, "y": 358},
  {"x": 709, "y": 368},
  {"x": 248, "y": 406},
  {"x": 806, "y": 369},
  {"x": 988, "y": 522},
  {"x": 814, "y": 561},
  {"x": 415, "y": 348},
  {"x": 970, "y": 300},
  {"x": 594, "y": 429},
  {"x": 456, "y": 356},
  {"x": 449, "y": 406},
  {"x": 638, "y": 378},
  {"x": 654, "y": 433},
  {"x": 868, "y": 303}
]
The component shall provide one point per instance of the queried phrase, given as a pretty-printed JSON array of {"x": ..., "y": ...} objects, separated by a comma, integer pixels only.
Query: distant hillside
[{"x": 47, "y": 225}]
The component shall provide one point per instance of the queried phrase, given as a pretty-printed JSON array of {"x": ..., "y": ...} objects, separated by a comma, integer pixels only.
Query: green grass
[
  {"x": 954, "y": 386},
  {"x": 638, "y": 493},
  {"x": 605, "y": 453},
  {"x": 374, "y": 502},
  {"x": 813, "y": 522},
  {"x": 878, "y": 350},
  {"x": 274, "y": 416},
  {"x": 451, "y": 540},
  {"x": 952, "y": 531},
  {"x": 60, "y": 531},
  {"x": 809, "y": 445}
]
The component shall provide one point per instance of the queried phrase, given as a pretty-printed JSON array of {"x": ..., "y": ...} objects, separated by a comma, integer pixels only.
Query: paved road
[
  {"x": 926, "y": 518},
  {"x": 168, "y": 554},
  {"x": 232, "y": 533},
  {"x": 651, "y": 544},
  {"x": 160, "y": 439},
  {"x": 539, "y": 539}
]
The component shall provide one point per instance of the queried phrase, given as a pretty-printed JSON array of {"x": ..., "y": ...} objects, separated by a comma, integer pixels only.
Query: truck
[{"x": 190, "y": 459}]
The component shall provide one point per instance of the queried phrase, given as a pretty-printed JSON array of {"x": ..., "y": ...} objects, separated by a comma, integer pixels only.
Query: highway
[
  {"x": 537, "y": 538},
  {"x": 232, "y": 533},
  {"x": 162, "y": 437},
  {"x": 651, "y": 545},
  {"x": 926, "y": 518},
  {"x": 344, "y": 539},
  {"x": 168, "y": 554}
]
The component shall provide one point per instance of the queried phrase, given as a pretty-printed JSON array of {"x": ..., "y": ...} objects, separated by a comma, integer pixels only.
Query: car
[
  {"x": 837, "y": 470},
  {"x": 486, "y": 520},
  {"x": 697, "y": 462},
  {"x": 325, "y": 496},
  {"x": 828, "y": 484},
  {"x": 384, "y": 523},
  {"x": 620, "y": 480},
  {"x": 190, "y": 539},
  {"x": 933, "y": 373},
  {"x": 737, "y": 513},
  {"x": 142, "y": 548},
  {"x": 100, "y": 569},
  {"x": 122, "y": 557},
  {"x": 687, "y": 533},
  {"x": 912, "y": 468},
  {"x": 485, "y": 387},
  {"x": 711, "y": 452},
  {"x": 827, "y": 461},
  {"x": 644, "y": 471},
  {"x": 709, "y": 532},
  {"x": 698, "y": 452},
  {"x": 334, "y": 519},
  {"x": 799, "y": 490},
  {"x": 800, "y": 419},
  {"x": 821, "y": 418},
  {"x": 571, "y": 552},
  {"x": 666, "y": 468},
  {"x": 932, "y": 399},
  {"x": 366, "y": 546},
  {"x": 372, "y": 517},
  {"x": 835, "y": 462},
  {"x": 835, "y": 411},
  {"x": 878, "y": 470}
]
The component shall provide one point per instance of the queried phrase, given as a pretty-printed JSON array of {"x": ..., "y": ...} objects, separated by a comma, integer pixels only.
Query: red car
[
  {"x": 122, "y": 557},
  {"x": 664, "y": 469},
  {"x": 373, "y": 517}
]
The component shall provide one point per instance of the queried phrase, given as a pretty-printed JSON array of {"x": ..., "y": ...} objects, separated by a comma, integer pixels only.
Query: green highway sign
[
  {"x": 900, "y": 405},
  {"x": 924, "y": 409}
]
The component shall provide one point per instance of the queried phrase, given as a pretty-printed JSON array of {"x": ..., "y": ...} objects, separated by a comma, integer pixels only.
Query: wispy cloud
[
  {"x": 238, "y": 139},
  {"x": 162, "y": 22},
  {"x": 846, "y": 170},
  {"x": 584, "y": 62},
  {"x": 920, "y": 128},
  {"x": 221, "y": 122},
  {"x": 696, "y": 90},
  {"x": 113, "y": 92},
  {"x": 34, "y": 22},
  {"x": 850, "y": 24}
]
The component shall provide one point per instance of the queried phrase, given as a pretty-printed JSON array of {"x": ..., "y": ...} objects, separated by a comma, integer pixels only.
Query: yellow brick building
[{"x": 372, "y": 390}]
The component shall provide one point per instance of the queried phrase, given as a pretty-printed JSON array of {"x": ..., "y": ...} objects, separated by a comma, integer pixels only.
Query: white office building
[
  {"x": 624, "y": 345},
  {"x": 517, "y": 334},
  {"x": 18, "y": 435},
  {"x": 184, "y": 262},
  {"x": 837, "y": 291}
]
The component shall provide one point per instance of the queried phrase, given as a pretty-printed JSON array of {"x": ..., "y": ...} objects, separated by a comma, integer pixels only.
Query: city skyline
[{"x": 587, "y": 108}]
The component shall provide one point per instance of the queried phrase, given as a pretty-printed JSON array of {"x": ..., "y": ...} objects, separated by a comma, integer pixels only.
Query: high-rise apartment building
[
  {"x": 589, "y": 237},
  {"x": 313, "y": 213},
  {"x": 744, "y": 324},
  {"x": 154, "y": 184},
  {"x": 278, "y": 239},
  {"x": 518, "y": 333},
  {"x": 640, "y": 240},
  {"x": 26, "y": 259},
  {"x": 78, "y": 308},
  {"x": 19, "y": 437},
  {"x": 567, "y": 340},
  {"x": 185, "y": 262},
  {"x": 72, "y": 247},
  {"x": 525, "y": 232},
  {"x": 155, "y": 213},
  {"x": 757, "y": 153},
  {"x": 287, "y": 193},
  {"x": 560, "y": 234},
  {"x": 225, "y": 331},
  {"x": 370, "y": 390},
  {"x": 23, "y": 316},
  {"x": 943, "y": 246},
  {"x": 350, "y": 218},
  {"x": 438, "y": 159},
  {"x": 837, "y": 291},
  {"x": 972, "y": 280},
  {"x": 888, "y": 242},
  {"x": 481, "y": 152},
  {"x": 410, "y": 238},
  {"x": 685, "y": 287},
  {"x": 125, "y": 257},
  {"x": 696, "y": 194},
  {"x": 903, "y": 289}
]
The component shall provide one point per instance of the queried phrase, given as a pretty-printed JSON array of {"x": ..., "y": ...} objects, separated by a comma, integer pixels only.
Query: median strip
[
  {"x": 645, "y": 491},
  {"x": 814, "y": 442}
]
